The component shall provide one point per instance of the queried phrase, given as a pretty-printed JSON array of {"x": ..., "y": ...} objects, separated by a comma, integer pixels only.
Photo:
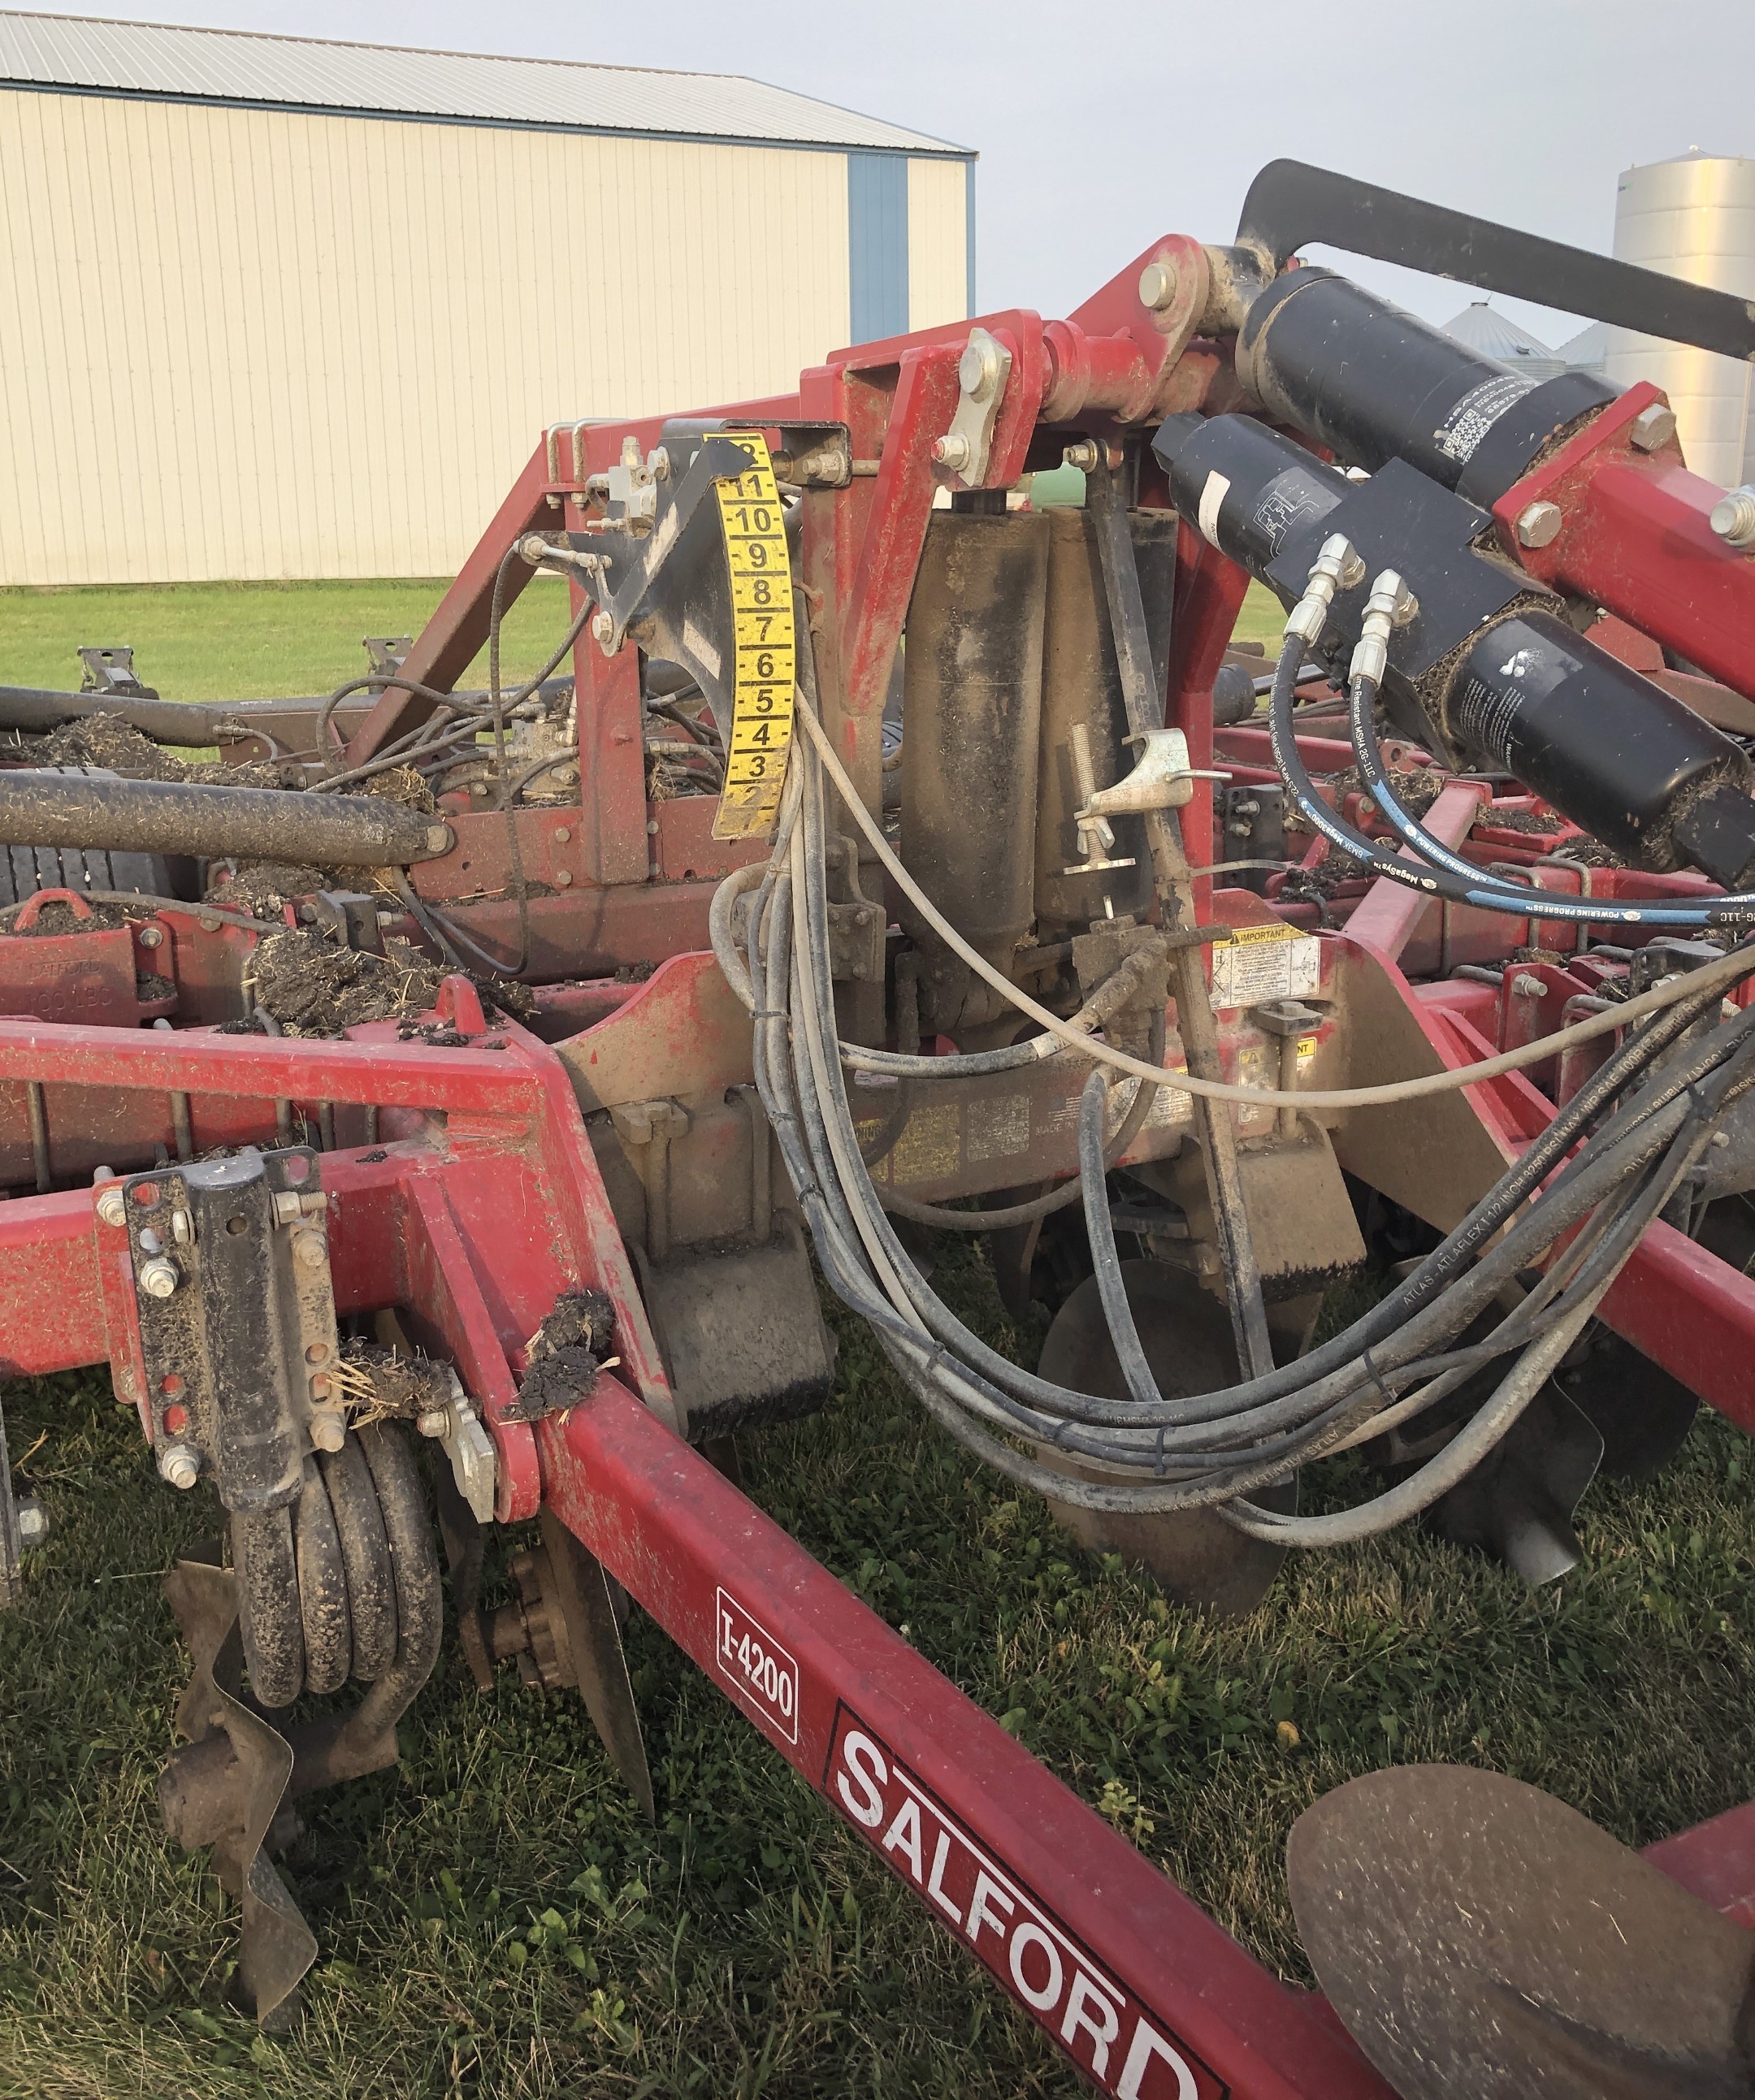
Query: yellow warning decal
[{"x": 765, "y": 647}]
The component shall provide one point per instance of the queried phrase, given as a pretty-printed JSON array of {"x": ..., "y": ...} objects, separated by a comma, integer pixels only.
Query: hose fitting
[
  {"x": 1383, "y": 614},
  {"x": 1337, "y": 567}
]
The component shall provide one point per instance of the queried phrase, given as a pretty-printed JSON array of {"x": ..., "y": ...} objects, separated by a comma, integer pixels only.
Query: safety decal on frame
[{"x": 765, "y": 646}]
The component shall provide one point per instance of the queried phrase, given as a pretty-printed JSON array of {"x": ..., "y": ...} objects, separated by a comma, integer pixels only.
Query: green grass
[
  {"x": 246, "y": 642},
  {"x": 1263, "y": 618},
  {"x": 496, "y": 1920},
  {"x": 243, "y": 642}
]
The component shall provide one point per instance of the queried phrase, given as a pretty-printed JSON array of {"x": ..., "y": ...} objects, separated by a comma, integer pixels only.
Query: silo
[{"x": 1694, "y": 218}]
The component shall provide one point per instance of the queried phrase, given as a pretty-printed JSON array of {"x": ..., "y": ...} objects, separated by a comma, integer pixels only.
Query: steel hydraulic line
[
  {"x": 902, "y": 1337},
  {"x": 1434, "y": 876}
]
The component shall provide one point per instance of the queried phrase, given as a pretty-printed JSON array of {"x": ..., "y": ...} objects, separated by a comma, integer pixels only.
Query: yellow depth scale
[{"x": 765, "y": 645}]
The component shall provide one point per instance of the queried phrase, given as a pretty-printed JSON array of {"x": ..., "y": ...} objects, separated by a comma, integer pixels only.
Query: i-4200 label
[
  {"x": 756, "y": 1666},
  {"x": 764, "y": 651}
]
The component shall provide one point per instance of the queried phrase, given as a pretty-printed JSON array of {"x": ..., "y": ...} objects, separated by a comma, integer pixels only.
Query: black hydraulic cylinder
[
  {"x": 1373, "y": 383},
  {"x": 1633, "y": 765},
  {"x": 45, "y": 808},
  {"x": 1527, "y": 695}
]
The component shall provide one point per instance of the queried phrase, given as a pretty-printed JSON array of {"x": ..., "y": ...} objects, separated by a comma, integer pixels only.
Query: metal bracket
[
  {"x": 112, "y": 671},
  {"x": 458, "y": 1430},
  {"x": 981, "y": 373},
  {"x": 856, "y": 926},
  {"x": 236, "y": 1311}
]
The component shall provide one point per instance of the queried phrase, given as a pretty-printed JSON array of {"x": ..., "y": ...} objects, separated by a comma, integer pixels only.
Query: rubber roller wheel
[
  {"x": 365, "y": 1556},
  {"x": 266, "y": 1565},
  {"x": 323, "y": 1601},
  {"x": 25, "y": 869}
]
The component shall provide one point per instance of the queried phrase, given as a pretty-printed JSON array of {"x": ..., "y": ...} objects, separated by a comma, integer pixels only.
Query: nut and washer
[
  {"x": 329, "y": 1432},
  {"x": 1081, "y": 454},
  {"x": 1157, "y": 286},
  {"x": 951, "y": 450},
  {"x": 152, "y": 937},
  {"x": 1526, "y": 985},
  {"x": 1539, "y": 525},
  {"x": 158, "y": 1277},
  {"x": 1652, "y": 428},
  {"x": 1733, "y": 518},
  {"x": 311, "y": 1250},
  {"x": 180, "y": 1464},
  {"x": 110, "y": 1207}
]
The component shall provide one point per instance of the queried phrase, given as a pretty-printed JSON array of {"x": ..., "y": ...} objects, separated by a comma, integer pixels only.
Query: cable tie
[{"x": 1376, "y": 1376}]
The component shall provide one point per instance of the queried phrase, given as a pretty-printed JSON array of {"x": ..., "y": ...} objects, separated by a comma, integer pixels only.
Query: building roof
[
  {"x": 1494, "y": 334},
  {"x": 78, "y": 55}
]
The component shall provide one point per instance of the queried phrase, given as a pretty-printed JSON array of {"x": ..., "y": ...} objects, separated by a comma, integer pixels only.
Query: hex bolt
[
  {"x": 433, "y": 1421},
  {"x": 1733, "y": 518},
  {"x": 152, "y": 937},
  {"x": 33, "y": 1520},
  {"x": 329, "y": 1432},
  {"x": 952, "y": 450},
  {"x": 159, "y": 1277},
  {"x": 1539, "y": 524},
  {"x": 978, "y": 368},
  {"x": 1157, "y": 286},
  {"x": 1082, "y": 455},
  {"x": 310, "y": 1251},
  {"x": 1526, "y": 986},
  {"x": 1652, "y": 428},
  {"x": 110, "y": 1207},
  {"x": 180, "y": 1464}
]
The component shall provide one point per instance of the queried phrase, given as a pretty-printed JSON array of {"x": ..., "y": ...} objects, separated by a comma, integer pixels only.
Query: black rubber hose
[{"x": 114, "y": 815}]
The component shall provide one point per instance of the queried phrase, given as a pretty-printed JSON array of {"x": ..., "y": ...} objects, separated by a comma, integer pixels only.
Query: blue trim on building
[
  {"x": 877, "y": 245},
  {"x": 969, "y": 231}
]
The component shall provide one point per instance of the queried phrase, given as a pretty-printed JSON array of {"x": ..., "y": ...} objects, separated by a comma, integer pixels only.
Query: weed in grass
[{"x": 495, "y": 1919}]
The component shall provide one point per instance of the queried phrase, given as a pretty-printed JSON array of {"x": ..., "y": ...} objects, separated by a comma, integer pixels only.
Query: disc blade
[
  {"x": 1483, "y": 1941},
  {"x": 1193, "y": 1556}
]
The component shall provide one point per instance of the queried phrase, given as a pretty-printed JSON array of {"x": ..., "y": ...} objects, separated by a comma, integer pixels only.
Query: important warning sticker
[
  {"x": 766, "y": 663},
  {"x": 1261, "y": 963}
]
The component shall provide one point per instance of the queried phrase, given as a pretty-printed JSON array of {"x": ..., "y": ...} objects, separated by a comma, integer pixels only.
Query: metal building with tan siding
[{"x": 276, "y": 308}]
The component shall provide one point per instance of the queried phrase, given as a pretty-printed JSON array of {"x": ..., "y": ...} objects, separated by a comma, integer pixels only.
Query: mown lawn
[
  {"x": 245, "y": 642},
  {"x": 496, "y": 1920}
]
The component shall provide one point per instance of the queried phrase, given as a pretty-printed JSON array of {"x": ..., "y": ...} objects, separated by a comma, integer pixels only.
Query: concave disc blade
[
  {"x": 1483, "y": 1941},
  {"x": 1193, "y": 1556}
]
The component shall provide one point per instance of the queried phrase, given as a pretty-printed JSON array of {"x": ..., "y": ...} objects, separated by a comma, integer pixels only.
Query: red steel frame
[{"x": 477, "y": 1198}]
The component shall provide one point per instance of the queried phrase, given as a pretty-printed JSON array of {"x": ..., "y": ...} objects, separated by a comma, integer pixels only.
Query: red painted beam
[
  {"x": 1693, "y": 1314},
  {"x": 1386, "y": 917},
  {"x": 1142, "y": 1990}
]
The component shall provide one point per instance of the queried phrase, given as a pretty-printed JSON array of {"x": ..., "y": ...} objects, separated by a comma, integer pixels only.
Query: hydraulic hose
[
  {"x": 1434, "y": 878},
  {"x": 1212, "y": 1448}
]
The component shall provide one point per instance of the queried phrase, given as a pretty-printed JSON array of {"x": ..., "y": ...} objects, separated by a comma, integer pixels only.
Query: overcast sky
[{"x": 1103, "y": 124}]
